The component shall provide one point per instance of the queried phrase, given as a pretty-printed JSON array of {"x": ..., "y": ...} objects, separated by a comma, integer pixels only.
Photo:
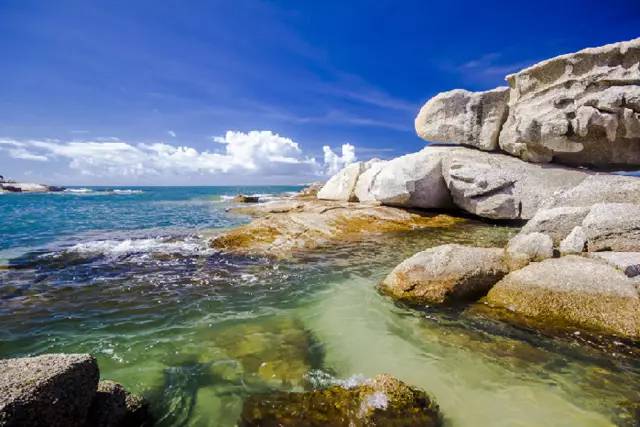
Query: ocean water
[{"x": 128, "y": 276}]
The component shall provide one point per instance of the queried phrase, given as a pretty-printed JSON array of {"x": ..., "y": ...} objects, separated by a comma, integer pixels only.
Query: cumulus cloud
[
  {"x": 261, "y": 153},
  {"x": 333, "y": 162}
]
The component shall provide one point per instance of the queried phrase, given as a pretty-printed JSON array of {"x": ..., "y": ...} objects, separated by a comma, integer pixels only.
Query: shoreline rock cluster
[
  {"x": 64, "y": 390},
  {"x": 10, "y": 186}
]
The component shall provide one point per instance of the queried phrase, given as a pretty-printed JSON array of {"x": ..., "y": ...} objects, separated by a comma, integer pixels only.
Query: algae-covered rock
[
  {"x": 382, "y": 401},
  {"x": 113, "y": 406},
  {"x": 445, "y": 274},
  {"x": 270, "y": 351},
  {"x": 310, "y": 224},
  {"x": 571, "y": 292}
]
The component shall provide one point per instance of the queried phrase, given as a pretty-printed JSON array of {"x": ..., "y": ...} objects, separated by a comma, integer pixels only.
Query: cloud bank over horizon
[{"x": 253, "y": 155}]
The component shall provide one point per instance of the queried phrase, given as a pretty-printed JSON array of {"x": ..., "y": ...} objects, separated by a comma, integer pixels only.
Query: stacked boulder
[{"x": 533, "y": 151}]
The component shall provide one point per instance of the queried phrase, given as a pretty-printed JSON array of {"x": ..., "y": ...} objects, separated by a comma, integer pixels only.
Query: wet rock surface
[
  {"x": 445, "y": 274},
  {"x": 113, "y": 406},
  {"x": 382, "y": 401}
]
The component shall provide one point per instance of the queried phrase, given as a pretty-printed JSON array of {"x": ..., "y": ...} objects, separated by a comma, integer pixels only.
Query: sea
[{"x": 127, "y": 275}]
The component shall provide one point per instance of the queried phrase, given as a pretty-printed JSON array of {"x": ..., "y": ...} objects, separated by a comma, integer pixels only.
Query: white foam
[
  {"x": 78, "y": 190},
  {"x": 145, "y": 246},
  {"x": 127, "y": 191}
]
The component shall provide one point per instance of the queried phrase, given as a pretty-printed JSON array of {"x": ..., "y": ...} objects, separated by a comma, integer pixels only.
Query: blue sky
[{"x": 168, "y": 92}]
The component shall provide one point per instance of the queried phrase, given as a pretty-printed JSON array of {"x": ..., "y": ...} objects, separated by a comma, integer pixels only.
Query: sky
[{"x": 255, "y": 92}]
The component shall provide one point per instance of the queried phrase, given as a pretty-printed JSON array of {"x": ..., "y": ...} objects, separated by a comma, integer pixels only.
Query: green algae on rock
[
  {"x": 571, "y": 292},
  {"x": 289, "y": 226},
  {"x": 382, "y": 401}
]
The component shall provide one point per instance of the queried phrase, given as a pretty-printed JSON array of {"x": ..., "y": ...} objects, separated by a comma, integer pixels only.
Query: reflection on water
[{"x": 197, "y": 331}]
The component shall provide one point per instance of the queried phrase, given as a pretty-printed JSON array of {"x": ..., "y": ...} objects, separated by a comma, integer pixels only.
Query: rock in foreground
[
  {"x": 51, "y": 390},
  {"x": 445, "y": 274},
  {"x": 113, "y": 406},
  {"x": 382, "y": 401},
  {"x": 283, "y": 227},
  {"x": 571, "y": 292}
]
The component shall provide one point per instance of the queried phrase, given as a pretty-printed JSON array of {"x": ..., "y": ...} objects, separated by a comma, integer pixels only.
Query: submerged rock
[
  {"x": 497, "y": 186},
  {"x": 465, "y": 118},
  {"x": 307, "y": 225},
  {"x": 581, "y": 108},
  {"x": 382, "y": 401},
  {"x": 54, "y": 390},
  {"x": 571, "y": 292},
  {"x": 445, "y": 274},
  {"x": 113, "y": 406}
]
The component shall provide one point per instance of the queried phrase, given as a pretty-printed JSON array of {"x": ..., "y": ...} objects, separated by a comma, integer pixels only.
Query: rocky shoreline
[{"x": 10, "y": 186}]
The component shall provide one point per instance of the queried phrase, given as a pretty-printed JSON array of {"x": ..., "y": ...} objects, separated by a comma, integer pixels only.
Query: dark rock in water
[
  {"x": 382, "y": 401},
  {"x": 241, "y": 198},
  {"x": 113, "y": 406},
  {"x": 51, "y": 390}
]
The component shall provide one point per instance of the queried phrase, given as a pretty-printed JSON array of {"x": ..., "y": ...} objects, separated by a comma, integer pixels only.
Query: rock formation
[{"x": 381, "y": 401}]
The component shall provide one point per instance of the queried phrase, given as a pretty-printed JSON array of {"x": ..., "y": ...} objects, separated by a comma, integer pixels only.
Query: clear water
[{"x": 128, "y": 277}]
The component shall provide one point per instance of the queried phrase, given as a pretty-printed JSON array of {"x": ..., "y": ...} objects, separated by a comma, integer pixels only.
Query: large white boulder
[
  {"x": 465, "y": 118},
  {"x": 581, "y": 108},
  {"x": 364, "y": 186},
  {"x": 613, "y": 227},
  {"x": 341, "y": 186}
]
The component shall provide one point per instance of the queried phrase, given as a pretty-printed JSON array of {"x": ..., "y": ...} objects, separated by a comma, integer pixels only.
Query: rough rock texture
[
  {"x": 113, "y": 406},
  {"x": 27, "y": 187},
  {"x": 445, "y": 274},
  {"x": 341, "y": 186},
  {"x": 463, "y": 117},
  {"x": 526, "y": 248},
  {"x": 572, "y": 291},
  {"x": 242, "y": 198},
  {"x": 413, "y": 181},
  {"x": 574, "y": 243},
  {"x": 627, "y": 262},
  {"x": 613, "y": 227},
  {"x": 283, "y": 227},
  {"x": 364, "y": 186},
  {"x": 598, "y": 189},
  {"x": 498, "y": 186},
  {"x": 310, "y": 191},
  {"x": 382, "y": 401},
  {"x": 578, "y": 109},
  {"x": 51, "y": 390},
  {"x": 556, "y": 222}
]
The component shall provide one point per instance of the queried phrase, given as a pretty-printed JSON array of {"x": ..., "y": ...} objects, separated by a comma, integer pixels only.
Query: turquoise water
[{"x": 128, "y": 276}]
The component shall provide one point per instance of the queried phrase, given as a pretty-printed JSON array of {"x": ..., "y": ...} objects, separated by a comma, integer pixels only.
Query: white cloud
[
  {"x": 259, "y": 153},
  {"x": 171, "y": 133},
  {"x": 333, "y": 162}
]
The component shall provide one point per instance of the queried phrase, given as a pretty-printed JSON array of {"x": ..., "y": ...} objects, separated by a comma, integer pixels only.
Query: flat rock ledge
[
  {"x": 280, "y": 228},
  {"x": 381, "y": 401},
  {"x": 62, "y": 390},
  {"x": 445, "y": 274}
]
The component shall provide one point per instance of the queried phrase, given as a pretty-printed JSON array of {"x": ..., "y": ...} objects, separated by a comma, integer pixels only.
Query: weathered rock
[
  {"x": 445, "y": 274},
  {"x": 578, "y": 109},
  {"x": 413, "y": 181},
  {"x": 242, "y": 198},
  {"x": 113, "y": 406},
  {"x": 364, "y": 186},
  {"x": 310, "y": 191},
  {"x": 574, "y": 243},
  {"x": 51, "y": 390},
  {"x": 627, "y": 262},
  {"x": 27, "y": 187},
  {"x": 556, "y": 222},
  {"x": 571, "y": 292},
  {"x": 341, "y": 186},
  {"x": 465, "y": 118},
  {"x": 526, "y": 248},
  {"x": 498, "y": 186},
  {"x": 601, "y": 188},
  {"x": 299, "y": 225},
  {"x": 382, "y": 401},
  {"x": 613, "y": 227}
]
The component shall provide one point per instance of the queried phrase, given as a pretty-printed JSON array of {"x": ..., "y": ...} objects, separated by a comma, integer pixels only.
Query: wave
[
  {"x": 79, "y": 190},
  {"x": 126, "y": 191},
  {"x": 162, "y": 245}
]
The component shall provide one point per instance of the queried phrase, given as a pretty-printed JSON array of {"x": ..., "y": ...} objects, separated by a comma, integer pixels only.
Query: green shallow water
[{"x": 196, "y": 332}]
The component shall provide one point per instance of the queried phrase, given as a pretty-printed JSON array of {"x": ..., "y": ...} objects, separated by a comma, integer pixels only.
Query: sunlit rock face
[
  {"x": 465, "y": 118},
  {"x": 581, "y": 108}
]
